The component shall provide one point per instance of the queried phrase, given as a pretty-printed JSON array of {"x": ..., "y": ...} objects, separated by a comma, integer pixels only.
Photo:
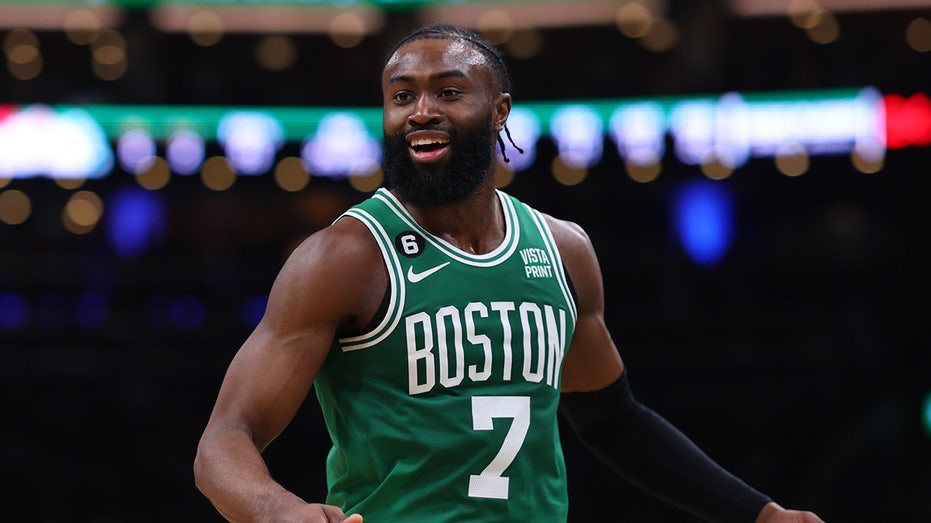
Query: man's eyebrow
[{"x": 452, "y": 73}]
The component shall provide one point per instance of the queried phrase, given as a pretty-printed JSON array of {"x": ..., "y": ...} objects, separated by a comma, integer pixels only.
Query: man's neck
[{"x": 475, "y": 225}]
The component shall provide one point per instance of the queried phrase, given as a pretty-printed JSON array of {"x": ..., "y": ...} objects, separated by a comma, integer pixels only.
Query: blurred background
[{"x": 753, "y": 174}]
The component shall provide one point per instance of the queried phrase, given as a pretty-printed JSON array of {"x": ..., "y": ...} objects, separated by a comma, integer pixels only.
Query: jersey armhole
[
  {"x": 572, "y": 291},
  {"x": 388, "y": 314},
  {"x": 376, "y": 320}
]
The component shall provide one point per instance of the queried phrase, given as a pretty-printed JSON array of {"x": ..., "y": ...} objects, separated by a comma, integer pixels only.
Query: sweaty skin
[{"x": 335, "y": 280}]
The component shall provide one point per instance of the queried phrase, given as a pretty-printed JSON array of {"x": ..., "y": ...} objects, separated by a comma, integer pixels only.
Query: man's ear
[{"x": 502, "y": 108}]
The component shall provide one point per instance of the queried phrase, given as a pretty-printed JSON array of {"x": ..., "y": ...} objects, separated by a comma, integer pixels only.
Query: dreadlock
[{"x": 492, "y": 53}]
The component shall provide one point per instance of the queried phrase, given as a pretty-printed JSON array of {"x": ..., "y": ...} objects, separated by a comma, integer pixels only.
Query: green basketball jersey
[{"x": 446, "y": 410}]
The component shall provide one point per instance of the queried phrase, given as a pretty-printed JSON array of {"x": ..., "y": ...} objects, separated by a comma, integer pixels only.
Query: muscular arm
[
  {"x": 626, "y": 435},
  {"x": 592, "y": 362},
  {"x": 317, "y": 291}
]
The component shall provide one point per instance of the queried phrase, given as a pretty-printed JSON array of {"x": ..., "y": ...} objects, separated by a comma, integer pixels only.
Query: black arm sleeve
[{"x": 654, "y": 455}]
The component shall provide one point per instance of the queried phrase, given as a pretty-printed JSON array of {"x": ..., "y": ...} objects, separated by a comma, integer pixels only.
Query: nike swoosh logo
[{"x": 415, "y": 277}]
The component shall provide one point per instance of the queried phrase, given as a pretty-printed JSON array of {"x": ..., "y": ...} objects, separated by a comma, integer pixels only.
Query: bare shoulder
[
  {"x": 578, "y": 256},
  {"x": 336, "y": 272},
  {"x": 570, "y": 237},
  {"x": 592, "y": 362},
  {"x": 343, "y": 246}
]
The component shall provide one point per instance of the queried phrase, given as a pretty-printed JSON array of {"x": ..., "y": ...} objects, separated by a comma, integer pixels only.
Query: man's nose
[{"x": 426, "y": 110}]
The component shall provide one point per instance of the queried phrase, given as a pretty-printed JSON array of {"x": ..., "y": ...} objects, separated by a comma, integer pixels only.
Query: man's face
[
  {"x": 440, "y": 183},
  {"x": 442, "y": 110}
]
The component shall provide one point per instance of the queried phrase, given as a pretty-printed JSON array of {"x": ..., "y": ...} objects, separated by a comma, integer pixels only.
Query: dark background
[{"x": 799, "y": 362}]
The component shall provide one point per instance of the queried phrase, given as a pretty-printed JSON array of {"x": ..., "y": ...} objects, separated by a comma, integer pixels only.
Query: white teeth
[{"x": 427, "y": 141}]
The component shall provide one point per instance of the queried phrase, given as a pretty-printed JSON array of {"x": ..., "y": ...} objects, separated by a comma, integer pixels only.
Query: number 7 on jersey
[{"x": 490, "y": 483}]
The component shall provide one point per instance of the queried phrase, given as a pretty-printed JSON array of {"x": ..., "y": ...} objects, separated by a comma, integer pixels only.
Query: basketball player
[{"x": 442, "y": 323}]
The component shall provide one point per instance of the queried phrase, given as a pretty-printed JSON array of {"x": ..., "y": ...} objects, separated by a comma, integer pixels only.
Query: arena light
[
  {"x": 532, "y": 13},
  {"x": 135, "y": 150},
  {"x": 822, "y": 125},
  {"x": 163, "y": 121},
  {"x": 51, "y": 15},
  {"x": 704, "y": 222},
  {"x": 14, "y": 311},
  {"x": 15, "y": 206},
  {"x": 38, "y": 140},
  {"x": 639, "y": 130},
  {"x": 734, "y": 127},
  {"x": 926, "y": 414},
  {"x": 250, "y": 140},
  {"x": 579, "y": 135},
  {"x": 725, "y": 129},
  {"x": 268, "y": 17},
  {"x": 185, "y": 151},
  {"x": 907, "y": 120},
  {"x": 754, "y": 8},
  {"x": 692, "y": 126},
  {"x": 524, "y": 128},
  {"x": 341, "y": 146},
  {"x": 136, "y": 220}
]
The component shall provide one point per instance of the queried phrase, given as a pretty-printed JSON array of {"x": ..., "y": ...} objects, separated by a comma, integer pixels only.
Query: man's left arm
[
  {"x": 628, "y": 436},
  {"x": 653, "y": 454}
]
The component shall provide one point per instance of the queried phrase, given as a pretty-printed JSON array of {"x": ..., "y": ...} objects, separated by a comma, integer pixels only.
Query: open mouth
[{"x": 428, "y": 149}]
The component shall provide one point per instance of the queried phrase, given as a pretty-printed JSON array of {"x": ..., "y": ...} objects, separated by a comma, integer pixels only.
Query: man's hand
[
  {"x": 318, "y": 513},
  {"x": 335, "y": 515},
  {"x": 773, "y": 513}
]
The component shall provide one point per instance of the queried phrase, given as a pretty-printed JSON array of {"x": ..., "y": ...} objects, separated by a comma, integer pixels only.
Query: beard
[{"x": 468, "y": 166}]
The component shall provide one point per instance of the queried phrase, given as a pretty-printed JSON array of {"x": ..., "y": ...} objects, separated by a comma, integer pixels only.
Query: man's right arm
[{"x": 317, "y": 291}]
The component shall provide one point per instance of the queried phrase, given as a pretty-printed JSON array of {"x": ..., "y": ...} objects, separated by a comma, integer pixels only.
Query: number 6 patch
[{"x": 409, "y": 243}]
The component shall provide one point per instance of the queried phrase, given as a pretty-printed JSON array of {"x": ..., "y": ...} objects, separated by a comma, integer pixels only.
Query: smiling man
[
  {"x": 467, "y": 106},
  {"x": 442, "y": 324}
]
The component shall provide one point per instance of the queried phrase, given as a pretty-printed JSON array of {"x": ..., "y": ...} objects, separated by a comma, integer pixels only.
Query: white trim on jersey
[
  {"x": 553, "y": 251},
  {"x": 498, "y": 255},
  {"x": 397, "y": 289}
]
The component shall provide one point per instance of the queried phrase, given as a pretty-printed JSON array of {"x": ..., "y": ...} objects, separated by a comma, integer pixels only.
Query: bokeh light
[
  {"x": 276, "y": 52},
  {"x": 704, "y": 220},
  {"x": 217, "y": 174},
  {"x": 367, "y": 183},
  {"x": 347, "y": 29},
  {"x": 496, "y": 26},
  {"x": 23, "y": 57},
  {"x": 643, "y": 173},
  {"x": 918, "y": 34},
  {"x": 82, "y": 212},
  {"x": 792, "y": 160},
  {"x": 156, "y": 176},
  {"x": 634, "y": 20},
  {"x": 81, "y": 26},
  {"x": 568, "y": 173},
  {"x": 137, "y": 221},
  {"x": 663, "y": 36},
  {"x": 92, "y": 310},
  {"x": 184, "y": 151},
  {"x": 290, "y": 174},
  {"x": 15, "y": 207},
  {"x": 205, "y": 28},
  {"x": 14, "y": 310}
]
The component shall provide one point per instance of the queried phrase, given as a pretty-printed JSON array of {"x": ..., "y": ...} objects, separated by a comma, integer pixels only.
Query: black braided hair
[{"x": 492, "y": 53}]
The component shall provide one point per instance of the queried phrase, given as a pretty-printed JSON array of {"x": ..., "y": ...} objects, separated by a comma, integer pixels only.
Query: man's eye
[
  {"x": 403, "y": 97},
  {"x": 449, "y": 92}
]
